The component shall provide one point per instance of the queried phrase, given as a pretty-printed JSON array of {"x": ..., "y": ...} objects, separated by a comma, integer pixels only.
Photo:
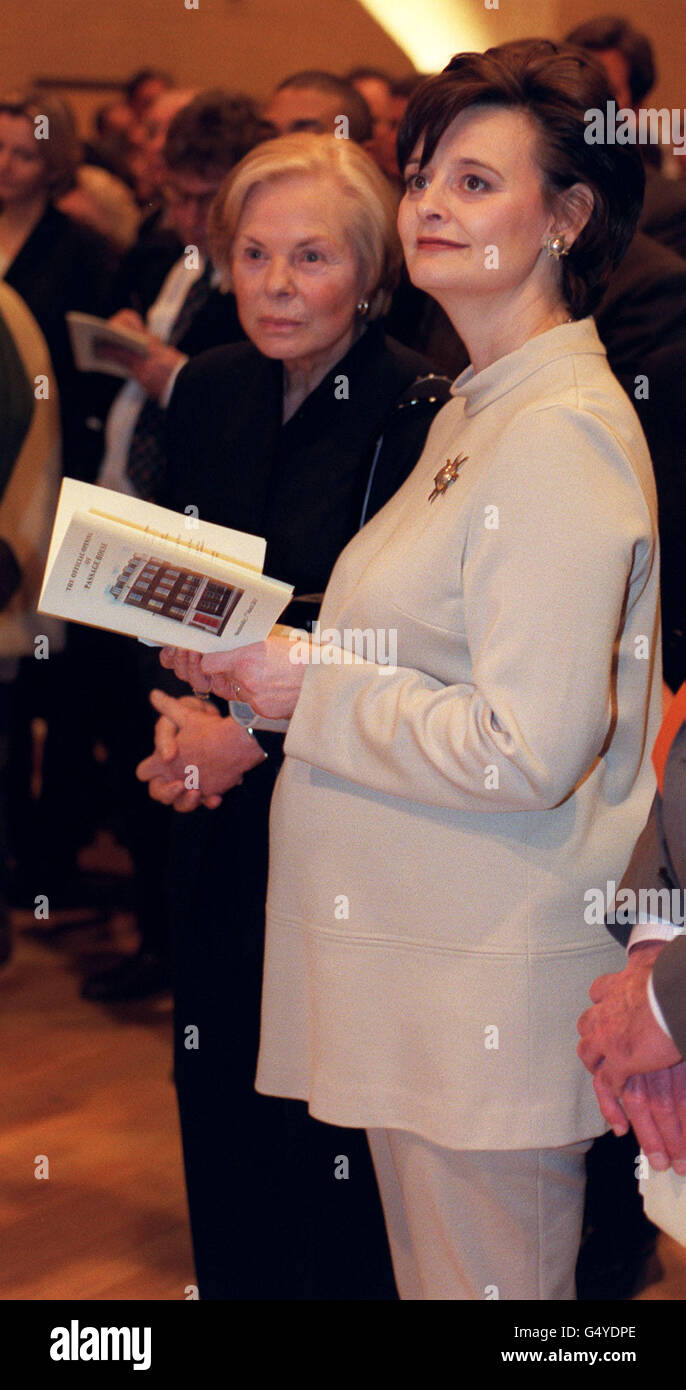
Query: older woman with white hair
[{"x": 298, "y": 435}]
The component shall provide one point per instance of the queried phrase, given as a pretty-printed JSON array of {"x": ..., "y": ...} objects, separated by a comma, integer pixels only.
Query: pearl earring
[
  {"x": 363, "y": 308},
  {"x": 556, "y": 246}
]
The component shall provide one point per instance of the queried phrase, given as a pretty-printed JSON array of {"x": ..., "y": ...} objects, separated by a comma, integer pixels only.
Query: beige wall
[
  {"x": 241, "y": 43},
  {"x": 250, "y": 44}
]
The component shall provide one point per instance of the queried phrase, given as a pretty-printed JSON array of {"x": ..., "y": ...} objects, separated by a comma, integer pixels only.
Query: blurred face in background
[
  {"x": 188, "y": 198},
  {"x": 400, "y": 105},
  {"x": 120, "y": 123},
  {"x": 295, "y": 274},
  {"x": 302, "y": 108},
  {"x": 23, "y": 170},
  {"x": 146, "y": 93},
  {"x": 618, "y": 75},
  {"x": 382, "y": 104},
  {"x": 150, "y": 170}
]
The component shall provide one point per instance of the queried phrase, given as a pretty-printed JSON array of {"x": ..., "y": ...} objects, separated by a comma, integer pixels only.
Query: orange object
[{"x": 671, "y": 724}]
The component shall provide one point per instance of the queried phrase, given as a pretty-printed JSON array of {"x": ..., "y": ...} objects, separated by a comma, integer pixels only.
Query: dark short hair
[
  {"x": 609, "y": 31},
  {"x": 212, "y": 133},
  {"x": 555, "y": 85},
  {"x": 138, "y": 79},
  {"x": 352, "y": 102}
]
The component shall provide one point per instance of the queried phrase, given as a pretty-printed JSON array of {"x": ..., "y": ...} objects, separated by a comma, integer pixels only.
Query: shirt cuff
[
  {"x": 653, "y": 929},
  {"x": 166, "y": 395},
  {"x": 655, "y": 1008}
]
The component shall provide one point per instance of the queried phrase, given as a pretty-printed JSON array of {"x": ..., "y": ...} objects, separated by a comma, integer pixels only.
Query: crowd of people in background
[{"x": 102, "y": 224}]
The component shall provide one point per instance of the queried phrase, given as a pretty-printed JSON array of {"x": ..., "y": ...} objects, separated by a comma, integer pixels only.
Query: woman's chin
[
  {"x": 430, "y": 272},
  {"x": 270, "y": 345}
]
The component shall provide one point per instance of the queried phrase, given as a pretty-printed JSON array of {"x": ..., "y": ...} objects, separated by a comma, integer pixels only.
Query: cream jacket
[{"x": 436, "y": 827}]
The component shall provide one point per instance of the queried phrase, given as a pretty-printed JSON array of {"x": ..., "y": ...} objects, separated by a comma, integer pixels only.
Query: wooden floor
[{"x": 89, "y": 1087}]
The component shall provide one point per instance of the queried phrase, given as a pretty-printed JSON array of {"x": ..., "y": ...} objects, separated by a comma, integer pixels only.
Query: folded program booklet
[
  {"x": 91, "y": 338},
  {"x": 664, "y": 1201},
  {"x": 119, "y": 563}
]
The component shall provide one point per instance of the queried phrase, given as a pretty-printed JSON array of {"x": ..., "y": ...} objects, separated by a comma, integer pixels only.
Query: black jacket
[
  {"x": 215, "y": 323},
  {"x": 664, "y": 210},
  {"x": 144, "y": 266},
  {"x": 642, "y": 322},
  {"x": 61, "y": 266},
  {"x": 302, "y": 484}
]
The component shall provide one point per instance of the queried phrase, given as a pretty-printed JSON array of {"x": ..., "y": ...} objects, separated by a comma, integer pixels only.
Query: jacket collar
[{"x": 480, "y": 389}]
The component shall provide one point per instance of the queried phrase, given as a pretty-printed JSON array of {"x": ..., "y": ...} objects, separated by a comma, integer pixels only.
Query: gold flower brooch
[{"x": 447, "y": 475}]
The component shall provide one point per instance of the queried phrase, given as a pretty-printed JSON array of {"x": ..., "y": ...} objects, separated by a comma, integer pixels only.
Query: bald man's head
[{"x": 313, "y": 100}]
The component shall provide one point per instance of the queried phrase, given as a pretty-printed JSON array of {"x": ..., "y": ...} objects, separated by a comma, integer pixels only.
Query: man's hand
[
  {"x": 638, "y": 1076},
  {"x": 153, "y": 371},
  {"x": 198, "y": 754},
  {"x": 620, "y": 1036},
  {"x": 128, "y": 319},
  {"x": 655, "y": 1106}
]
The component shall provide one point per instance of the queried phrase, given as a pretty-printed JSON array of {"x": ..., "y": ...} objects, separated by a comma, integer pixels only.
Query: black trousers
[{"x": 270, "y": 1218}]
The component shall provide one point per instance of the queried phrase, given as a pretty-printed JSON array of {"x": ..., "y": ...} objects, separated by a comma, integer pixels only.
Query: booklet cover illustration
[{"x": 185, "y": 595}]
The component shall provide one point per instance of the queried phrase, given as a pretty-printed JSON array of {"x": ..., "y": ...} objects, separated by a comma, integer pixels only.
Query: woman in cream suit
[{"x": 438, "y": 822}]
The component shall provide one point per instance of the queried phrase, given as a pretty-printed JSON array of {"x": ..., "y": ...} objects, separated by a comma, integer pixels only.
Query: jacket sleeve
[
  {"x": 669, "y": 984},
  {"x": 649, "y": 870},
  {"x": 545, "y": 597}
]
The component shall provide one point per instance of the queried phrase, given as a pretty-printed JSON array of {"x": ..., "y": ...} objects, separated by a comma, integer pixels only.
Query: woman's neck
[
  {"x": 302, "y": 376},
  {"x": 490, "y": 332},
  {"x": 17, "y": 221}
]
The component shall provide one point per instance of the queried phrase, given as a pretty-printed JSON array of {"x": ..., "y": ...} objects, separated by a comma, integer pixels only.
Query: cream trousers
[{"x": 470, "y": 1224}]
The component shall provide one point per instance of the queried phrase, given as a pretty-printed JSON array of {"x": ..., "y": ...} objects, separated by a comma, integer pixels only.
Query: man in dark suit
[
  {"x": 664, "y": 210},
  {"x": 633, "y": 1039},
  {"x": 206, "y": 138},
  {"x": 145, "y": 265}
]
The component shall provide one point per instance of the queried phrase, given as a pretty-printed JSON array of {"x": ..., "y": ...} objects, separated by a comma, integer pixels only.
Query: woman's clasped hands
[{"x": 198, "y": 754}]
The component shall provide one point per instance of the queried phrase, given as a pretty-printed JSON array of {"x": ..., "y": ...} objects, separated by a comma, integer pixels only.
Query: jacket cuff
[{"x": 656, "y": 1010}]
